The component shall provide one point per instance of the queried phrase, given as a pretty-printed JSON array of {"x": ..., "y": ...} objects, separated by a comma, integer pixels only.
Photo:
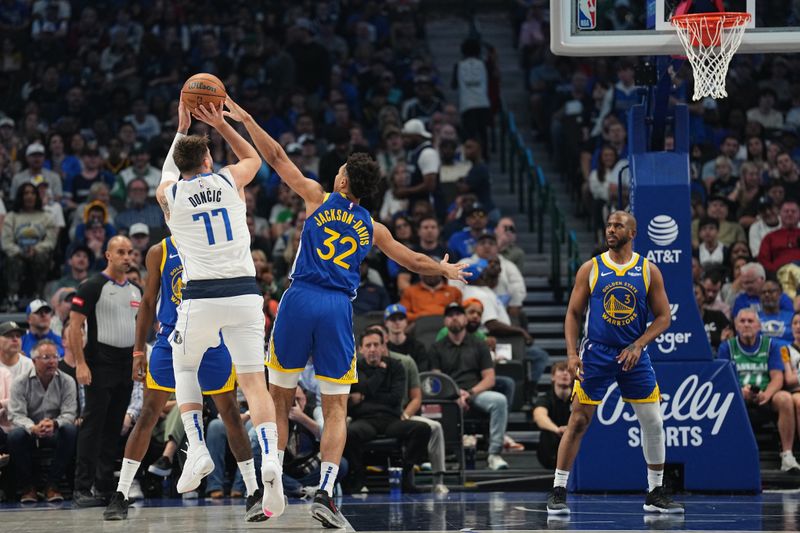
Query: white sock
[
  {"x": 126, "y": 473},
  {"x": 268, "y": 439},
  {"x": 193, "y": 424},
  {"x": 327, "y": 477},
  {"x": 655, "y": 478},
  {"x": 248, "y": 470},
  {"x": 280, "y": 456},
  {"x": 561, "y": 478}
]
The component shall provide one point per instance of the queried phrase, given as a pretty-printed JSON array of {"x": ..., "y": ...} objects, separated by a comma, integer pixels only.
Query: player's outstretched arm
[
  {"x": 245, "y": 170},
  {"x": 308, "y": 189},
  {"x": 147, "y": 309},
  {"x": 169, "y": 171},
  {"x": 575, "y": 309},
  {"x": 416, "y": 262}
]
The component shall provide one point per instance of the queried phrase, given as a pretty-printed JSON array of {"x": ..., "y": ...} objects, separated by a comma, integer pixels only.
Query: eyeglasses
[
  {"x": 47, "y": 357},
  {"x": 510, "y": 229},
  {"x": 15, "y": 335}
]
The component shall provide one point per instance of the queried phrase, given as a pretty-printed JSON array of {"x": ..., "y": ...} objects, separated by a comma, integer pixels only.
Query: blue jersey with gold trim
[
  {"x": 336, "y": 238},
  {"x": 171, "y": 284},
  {"x": 618, "y": 309}
]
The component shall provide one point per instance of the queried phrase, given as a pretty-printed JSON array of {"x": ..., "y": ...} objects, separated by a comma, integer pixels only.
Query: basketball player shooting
[
  {"x": 337, "y": 235},
  {"x": 205, "y": 211},
  {"x": 618, "y": 287}
]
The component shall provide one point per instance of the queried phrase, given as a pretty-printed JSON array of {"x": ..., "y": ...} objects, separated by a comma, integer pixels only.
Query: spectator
[
  {"x": 61, "y": 303},
  {"x": 428, "y": 297},
  {"x": 729, "y": 147},
  {"x": 39, "y": 316},
  {"x": 370, "y": 296},
  {"x": 775, "y": 322},
  {"x": 603, "y": 184},
  {"x": 485, "y": 275},
  {"x": 471, "y": 80},
  {"x": 139, "y": 234},
  {"x": 11, "y": 356},
  {"x": 477, "y": 180},
  {"x": 422, "y": 162},
  {"x": 551, "y": 414},
  {"x": 43, "y": 407},
  {"x": 711, "y": 251},
  {"x": 28, "y": 241},
  {"x": 729, "y": 232},
  {"x": 462, "y": 243},
  {"x": 712, "y": 294},
  {"x": 393, "y": 151},
  {"x": 510, "y": 286},
  {"x": 506, "y": 233},
  {"x": 716, "y": 324},
  {"x": 313, "y": 67},
  {"x": 374, "y": 406},
  {"x": 5, "y": 423},
  {"x": 723, "y": 182},
  {"x": 146, "y": 124},
  {"x": 468, "y": 362},
  {"x": 788, "y": 176},
  {"x": 34, "y": 155},
  {"x": 139, "y": 210},
  {"x": 424, "y": 104},
  {"x": 766, "y": 114},
  {"x": 391, "y": 204},
  {"x": 752, "y": 280},
  {"x": 747, "y": 193},
  {"x": 395, "y": 320},
  {"x": 428, "y": 233},
  {"x": 107, "y": 304},
  {"x": 766, "y": 222},
  {"x": 759, "y": 365},
  {"x": 779, "y": 248}
]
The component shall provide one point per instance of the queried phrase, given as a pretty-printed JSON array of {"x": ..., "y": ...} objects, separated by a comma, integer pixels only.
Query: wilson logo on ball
[
  {"x": 662, "y": 230},
  {"x": 202, "y": 86}
]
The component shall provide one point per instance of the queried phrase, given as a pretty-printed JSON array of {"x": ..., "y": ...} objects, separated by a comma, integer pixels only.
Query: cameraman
[{"x": 759, "y": 365}]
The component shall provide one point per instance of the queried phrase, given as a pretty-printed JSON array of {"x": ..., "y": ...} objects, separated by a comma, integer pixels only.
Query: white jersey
[{"x": 207, "y": 218}]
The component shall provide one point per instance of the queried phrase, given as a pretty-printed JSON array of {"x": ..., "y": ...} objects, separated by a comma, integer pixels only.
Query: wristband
[{"x": 137, "y": 353}]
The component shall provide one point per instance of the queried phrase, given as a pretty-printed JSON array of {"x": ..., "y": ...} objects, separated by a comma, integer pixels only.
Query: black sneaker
[
  {"x": 162, "y": 467},
  {"x": 117, "y": 508},
  {"x": 657, "y": 501},
  {"x": 82, "y": 498},
  {"x": 253, "y": 510},
  {"x": 324, "y": 510},
  {"x": 557, "y": 501}
]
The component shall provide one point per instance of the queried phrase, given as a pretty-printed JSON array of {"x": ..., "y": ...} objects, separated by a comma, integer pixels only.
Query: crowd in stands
[
  {"x": 745, "y": 184},
  {"x": 90, "y": 94}
]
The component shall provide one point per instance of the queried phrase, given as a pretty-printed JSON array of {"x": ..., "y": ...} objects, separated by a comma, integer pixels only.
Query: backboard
[{"x": 642, "y": 27}]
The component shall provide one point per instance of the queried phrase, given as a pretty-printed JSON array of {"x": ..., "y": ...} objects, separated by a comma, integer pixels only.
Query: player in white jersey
[{"x": 205, "y": 212}]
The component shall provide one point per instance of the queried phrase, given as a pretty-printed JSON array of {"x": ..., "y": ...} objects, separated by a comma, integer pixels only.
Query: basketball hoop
[{"x": 710, "y": 40}]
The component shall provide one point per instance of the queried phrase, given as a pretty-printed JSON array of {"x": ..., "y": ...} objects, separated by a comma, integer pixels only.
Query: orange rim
[{"x": 729, "y": 19}]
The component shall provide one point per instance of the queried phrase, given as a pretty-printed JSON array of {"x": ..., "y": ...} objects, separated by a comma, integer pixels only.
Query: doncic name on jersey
[{"x": 205, "y": 196}]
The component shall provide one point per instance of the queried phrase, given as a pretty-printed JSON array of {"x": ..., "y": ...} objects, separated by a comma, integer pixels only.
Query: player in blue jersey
[
  {"x": 315, "y": 315},
  {"x": 619, "y": 287},
  {"x": 217, "y": 378}
]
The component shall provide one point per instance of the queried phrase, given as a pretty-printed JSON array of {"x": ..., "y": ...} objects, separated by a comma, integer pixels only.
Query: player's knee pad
[
  {"x": 285, "y": 380},
  {"x": 649, "y": 415},
  {"x": 187, "y": 387},
  {"x": 326, "y": 387}
]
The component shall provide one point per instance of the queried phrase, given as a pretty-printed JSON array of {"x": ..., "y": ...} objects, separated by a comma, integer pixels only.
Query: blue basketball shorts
[
  {"x": 600, "y": 369},
  {"x": 216, "y": 373},
  {"x": 317, "y": 323}
]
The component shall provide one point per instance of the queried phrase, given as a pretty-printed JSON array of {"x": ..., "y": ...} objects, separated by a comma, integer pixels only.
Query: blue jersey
[
  {"x": 171, "y": 285},
  {"x": 618, "y": 301},
  {"x": 336, "y": 238}
]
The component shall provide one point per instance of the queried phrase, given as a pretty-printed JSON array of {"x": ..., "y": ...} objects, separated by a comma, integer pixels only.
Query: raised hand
[
  {"x": 454, "y": 270},
  {"x": 211, "y": 115},
  {"x": 235, "y": 111},
  {"x": 184, "y": 118}
]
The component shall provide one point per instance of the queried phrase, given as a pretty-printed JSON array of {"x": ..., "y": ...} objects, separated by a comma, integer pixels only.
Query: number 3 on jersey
[
  {"x": 336, "y": 237},
  {"x": 209, "y": 229}
]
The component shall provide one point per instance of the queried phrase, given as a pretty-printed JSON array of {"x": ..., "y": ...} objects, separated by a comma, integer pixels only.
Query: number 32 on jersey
[{"x": 348, "y": 246}]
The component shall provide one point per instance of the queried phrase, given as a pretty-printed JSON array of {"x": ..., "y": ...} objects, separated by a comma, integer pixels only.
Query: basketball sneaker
[
  {"x": 253, "y": 510},
  {"x": 789, "y": 463},
  {"x": 658, "y": 501},
  {"x": 197, "y": 466},
  {"x": 324, "y": 510},
  {"x": 273, "y": 503},
  {"x": 557, "y": 501},
  {"x": 117, "y": 508}
]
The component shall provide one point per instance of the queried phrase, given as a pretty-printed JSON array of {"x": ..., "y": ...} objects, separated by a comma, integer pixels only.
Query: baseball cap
[
  {"x": 294, "y": 149},
  {"x": 474, "y": 208},
  {"x": 8, "y": 327},
  {"x": 453, "y": 307},
  {"x": 138, "y": 148},
  {"x": 416, "y": 127},
  {"x": 81, "y": 248},
  {"x": 476, "y": 269},
  {"x": 139, "y": 229},
  {"x": 486, "y": 237},
  {"x": 37, "y": 305},
  {"x": 7, "y": 121},
  {"x": 395, "y": 309},
  {"x": 34, "y": 148},
  {"x": 472, "y": 301}
]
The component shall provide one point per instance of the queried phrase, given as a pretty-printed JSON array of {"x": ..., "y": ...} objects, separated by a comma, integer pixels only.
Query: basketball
[{"x": 203, "y": 89}]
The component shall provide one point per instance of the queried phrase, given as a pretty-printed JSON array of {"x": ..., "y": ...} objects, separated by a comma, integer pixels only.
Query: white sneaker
[
  {"x": 789, "y": 464},
  {"x": 496, "y": 462},
  {"x": 440, "y": 488},
  {"x": 197, "y": 466},
  {"x": 135, "y": 492},
  {"x": 273, "y": 503}
]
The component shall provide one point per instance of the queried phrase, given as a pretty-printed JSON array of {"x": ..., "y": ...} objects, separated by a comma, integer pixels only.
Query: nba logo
[{"x": 587, "y": 14}]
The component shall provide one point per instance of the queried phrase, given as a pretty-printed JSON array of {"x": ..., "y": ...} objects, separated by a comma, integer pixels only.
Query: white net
[{"x": 710, "y": 42}]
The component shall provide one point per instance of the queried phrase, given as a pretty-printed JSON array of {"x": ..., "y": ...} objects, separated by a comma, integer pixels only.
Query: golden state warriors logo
[
  {"x": 176, "y": 283},
  {"x": 619, "y": 303}
]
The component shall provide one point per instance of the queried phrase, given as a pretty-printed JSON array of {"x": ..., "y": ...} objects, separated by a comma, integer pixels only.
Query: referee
[{"x": 106, "y": 304}]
